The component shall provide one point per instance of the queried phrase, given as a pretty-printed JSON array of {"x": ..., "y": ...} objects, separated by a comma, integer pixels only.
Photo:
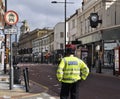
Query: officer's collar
[{"x": 72, "y": 55}]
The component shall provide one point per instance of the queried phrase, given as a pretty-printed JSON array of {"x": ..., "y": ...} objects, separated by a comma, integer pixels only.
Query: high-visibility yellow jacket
[{"x": 72, "y": 69}]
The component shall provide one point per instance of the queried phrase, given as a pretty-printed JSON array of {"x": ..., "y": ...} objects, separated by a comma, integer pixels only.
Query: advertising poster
[
  {"x": 109, "y": 54},
  {"x": 84, "y": 55},
  {"x": 116, "y": 59}
]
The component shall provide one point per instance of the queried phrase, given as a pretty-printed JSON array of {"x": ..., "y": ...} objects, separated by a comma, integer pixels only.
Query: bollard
[{"x": 25, "y": 73}]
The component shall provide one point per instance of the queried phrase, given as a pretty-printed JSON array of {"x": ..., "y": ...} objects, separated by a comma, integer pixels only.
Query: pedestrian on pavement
[
  {"x": 70, "y": 72},
  {"x": 59, "y": 58}
]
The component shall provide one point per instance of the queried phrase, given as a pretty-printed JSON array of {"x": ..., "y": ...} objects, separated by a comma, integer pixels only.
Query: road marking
[
  {"x": 52, "y": 98},
  {"x": 39, "y": 98},
  {"x": 56, "y": 85},
  {"x": 6, "y": 97},
  {"x": 39, "y": 84},
  {"x": 49, "y": 98}
]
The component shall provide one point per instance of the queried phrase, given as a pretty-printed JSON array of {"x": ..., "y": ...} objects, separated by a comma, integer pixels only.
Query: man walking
[{"x": 70, "y": 72}]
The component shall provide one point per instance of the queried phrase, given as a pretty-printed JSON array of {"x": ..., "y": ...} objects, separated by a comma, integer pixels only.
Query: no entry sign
[{"x": 11, "y": 17}]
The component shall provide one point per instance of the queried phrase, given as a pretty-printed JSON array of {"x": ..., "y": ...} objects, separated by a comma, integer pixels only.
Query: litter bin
[{"x": 17, "y": 74}]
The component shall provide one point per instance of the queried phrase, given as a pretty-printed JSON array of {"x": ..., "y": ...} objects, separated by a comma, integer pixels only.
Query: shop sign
[
  {"x": 109, "y": 46},
  {"x": 91, "y": 38}
]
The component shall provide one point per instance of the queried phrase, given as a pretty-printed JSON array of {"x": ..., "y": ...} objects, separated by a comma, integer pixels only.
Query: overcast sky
[{"x": 42, "y": 13}]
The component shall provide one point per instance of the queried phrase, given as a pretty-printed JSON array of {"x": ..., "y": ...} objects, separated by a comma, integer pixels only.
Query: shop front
[{"x": 100, "y": 46}]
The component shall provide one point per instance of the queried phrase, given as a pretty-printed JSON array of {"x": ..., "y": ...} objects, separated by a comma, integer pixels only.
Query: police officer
[{"x": 70, "y": 72}]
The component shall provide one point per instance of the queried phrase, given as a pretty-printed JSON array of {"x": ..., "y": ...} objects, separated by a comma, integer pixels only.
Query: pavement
[{"x": 18, "y": 91}]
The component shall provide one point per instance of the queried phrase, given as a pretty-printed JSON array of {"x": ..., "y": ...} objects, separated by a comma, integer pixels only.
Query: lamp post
[{"x": 65, "y": 2}]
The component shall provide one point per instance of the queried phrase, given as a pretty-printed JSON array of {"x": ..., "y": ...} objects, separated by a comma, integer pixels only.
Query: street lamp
[{"x": 64, "y": 16}]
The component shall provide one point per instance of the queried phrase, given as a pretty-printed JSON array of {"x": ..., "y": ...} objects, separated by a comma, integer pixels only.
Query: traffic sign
[
  {"x": 11, "y": 17},
  {"x": 12, "y": 30}
]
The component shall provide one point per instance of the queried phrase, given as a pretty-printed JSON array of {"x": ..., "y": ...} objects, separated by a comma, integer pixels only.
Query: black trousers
[{"x": 71, "y": 90}]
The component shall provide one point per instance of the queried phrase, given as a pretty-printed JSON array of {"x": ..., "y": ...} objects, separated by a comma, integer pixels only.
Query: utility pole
[
  {"x": 65, "y": 26},
  {"x": 5, "y": 40}
]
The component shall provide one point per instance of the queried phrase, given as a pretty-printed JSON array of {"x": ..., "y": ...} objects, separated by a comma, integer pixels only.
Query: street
[{"x": 97, "y": 86}]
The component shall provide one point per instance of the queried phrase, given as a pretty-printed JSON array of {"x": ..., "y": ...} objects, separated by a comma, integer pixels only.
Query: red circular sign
[{"x": 11, "y": 17}]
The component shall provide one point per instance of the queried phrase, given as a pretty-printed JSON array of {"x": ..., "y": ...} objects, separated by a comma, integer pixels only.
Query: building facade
[
  {"x": 2, "y": 23},
  {"x": 99, "y": 43},
  {"x": 46, "y": 48},
  {"x": 43, "y": 47},
  {"x": 26, "y": 46},
  {"x": 59, "y": 36},
  {"x": 72, "y": 27}
]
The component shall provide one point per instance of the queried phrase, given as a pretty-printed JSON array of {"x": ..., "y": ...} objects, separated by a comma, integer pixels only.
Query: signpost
[{"x": 11, "y": 18}]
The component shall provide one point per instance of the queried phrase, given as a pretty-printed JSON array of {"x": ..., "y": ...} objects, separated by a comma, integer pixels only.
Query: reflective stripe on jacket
[{"x": 72, "y": 69}]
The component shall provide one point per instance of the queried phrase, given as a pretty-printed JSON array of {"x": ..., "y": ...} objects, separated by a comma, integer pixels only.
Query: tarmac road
[{"x": 97, "y": 86}]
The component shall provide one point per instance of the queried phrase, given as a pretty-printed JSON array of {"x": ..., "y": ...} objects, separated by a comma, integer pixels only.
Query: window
[
  {"x": 61, "y": 45},
  {"x": 73, "y": 23},
  {"x": 61, "y": 34}
]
